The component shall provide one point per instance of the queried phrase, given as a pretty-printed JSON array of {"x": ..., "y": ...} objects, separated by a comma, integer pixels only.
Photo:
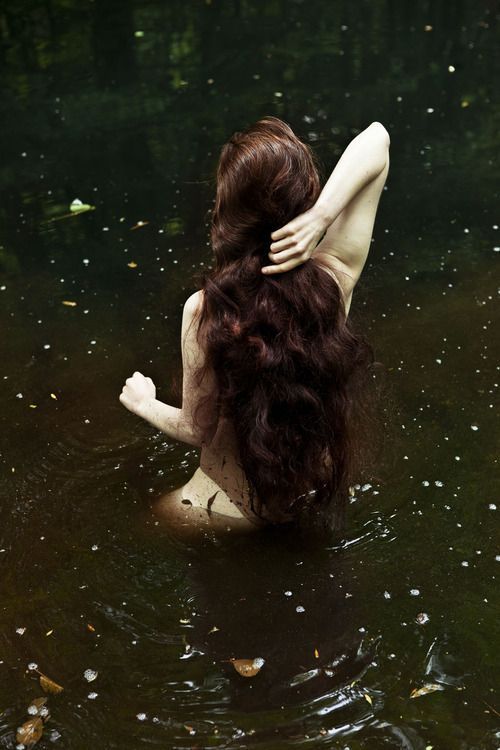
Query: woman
[{"x": 272, "y": 371}]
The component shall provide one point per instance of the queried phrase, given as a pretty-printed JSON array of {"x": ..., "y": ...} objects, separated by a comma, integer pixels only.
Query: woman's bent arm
[
  {"x": 139, "y": 393},
  {"x": 351, "y": 190}
]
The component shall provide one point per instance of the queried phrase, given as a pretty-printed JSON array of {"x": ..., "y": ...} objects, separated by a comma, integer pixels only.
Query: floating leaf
[
  {"x": 430, "y": 687},
  {"x": 368, "y": 698},
  {"x": 90, "y": 627},
  {"x": 30, "y": 732},
  {"x": 316, "y": 653},
  {"x": 77, "y": 207},
  {"x": 49, "y": 686},
  {"x": 248, "y": 667},
  {"x": 49, "y": 632},
  {"x": 139, "y": 225},
  {"x": 132, "y": 264},
  {"x": 69, "y": 303}
]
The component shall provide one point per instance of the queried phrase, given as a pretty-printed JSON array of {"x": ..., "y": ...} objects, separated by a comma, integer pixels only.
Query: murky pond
[{"x": 386, "y": 638}]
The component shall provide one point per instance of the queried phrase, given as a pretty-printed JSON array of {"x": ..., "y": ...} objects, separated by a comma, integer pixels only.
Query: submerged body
[
  {"x": 219, "y": 495},
  {"x": 258, "y": 428}
]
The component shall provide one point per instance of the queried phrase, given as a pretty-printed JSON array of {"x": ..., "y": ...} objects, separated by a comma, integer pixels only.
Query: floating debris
[
  {"x": 90, "y": 675},
  {"x": 430, "y": 687},
  {"x": 248, "y": 667},
  {"x": 422, "y": 618}
]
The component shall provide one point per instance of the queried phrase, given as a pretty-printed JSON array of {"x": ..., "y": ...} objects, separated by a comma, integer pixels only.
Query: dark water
[{"x": 124, "y": 106}]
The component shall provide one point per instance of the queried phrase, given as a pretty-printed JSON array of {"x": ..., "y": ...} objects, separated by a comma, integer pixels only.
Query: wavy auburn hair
[{"x": 288, "y": 367}]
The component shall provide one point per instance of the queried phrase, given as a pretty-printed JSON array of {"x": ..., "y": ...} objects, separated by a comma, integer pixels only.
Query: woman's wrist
[{"x": 323, "y": 214}]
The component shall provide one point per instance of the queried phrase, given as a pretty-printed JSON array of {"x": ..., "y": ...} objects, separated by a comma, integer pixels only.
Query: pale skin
[{"x": 345, "y": 214}]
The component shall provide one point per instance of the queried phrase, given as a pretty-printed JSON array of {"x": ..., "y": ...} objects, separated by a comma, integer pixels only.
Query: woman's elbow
[{"x": 382, "y": 133}]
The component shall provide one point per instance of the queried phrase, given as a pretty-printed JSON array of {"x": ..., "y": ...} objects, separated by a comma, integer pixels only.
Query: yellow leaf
[
  {"x": 69, "y": 303},
  {"x": 464, "y": 103},
  {"x": 248, "y": 667},
  {"x": 430, "y": 687},
  {"x": 368, "y": 698},
  {"x": 53, "y": 395},
  {"x": 49, "y": 686},
  {"x": 132, "y": 264},
  {"x": 30, "y": 732},
  {"x": 316, "y": 653},
  {"x": 49, "y": 632},
  {"x": 33, "y": 406}
]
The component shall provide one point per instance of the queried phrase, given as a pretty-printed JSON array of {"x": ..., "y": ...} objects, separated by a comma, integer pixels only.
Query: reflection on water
[{"x": 124, "y": 107}]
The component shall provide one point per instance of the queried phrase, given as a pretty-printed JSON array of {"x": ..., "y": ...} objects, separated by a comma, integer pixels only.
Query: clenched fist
[{"x": 137, "y": 392}]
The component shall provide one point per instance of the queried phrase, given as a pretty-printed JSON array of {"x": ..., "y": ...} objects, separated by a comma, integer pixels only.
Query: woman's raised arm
[{"x": 344, "y": 212}]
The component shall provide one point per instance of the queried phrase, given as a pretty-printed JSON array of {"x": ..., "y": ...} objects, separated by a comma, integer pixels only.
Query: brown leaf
[
  {"x": 30, "y": 732},
  {"x": 139, "y": 225},
  {"x": 90, "y": 627},
  {"x": 429, "y": 687},
  {"x": 49, "y": 686},
  {"x": 248, "y": 667}
]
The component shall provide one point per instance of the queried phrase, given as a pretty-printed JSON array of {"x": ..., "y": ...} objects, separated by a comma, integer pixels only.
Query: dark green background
[{"x": 132, "y": 124}]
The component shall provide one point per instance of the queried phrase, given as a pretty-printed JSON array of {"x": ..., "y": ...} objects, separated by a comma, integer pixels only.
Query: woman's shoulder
[{"x": 192, "y": 305}]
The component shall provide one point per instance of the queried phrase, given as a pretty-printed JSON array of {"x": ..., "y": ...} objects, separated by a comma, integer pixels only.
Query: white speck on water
[
  {"x": 90, "y": 675},
  {"x": 464, "y": 564},
  {"x": 92, "y": 696},
  {"x": 497, "y": 558},
  {"x": 466, "y": 231},
  {"x": 20, "y": 631},
  {"x": 32, "y": 710},
  {"x": 299, "y": 608},
  {"x": 496, "y": 249},
  {"x": 3, "y": 288},
  {"x": 19, "y": 395},
  {"x": 439, "y": 361},
  {"x": 492, "y": 506},
  {"x": 288, "y": 593},
  {"x": 457, "y": 458},
  {"x": 474, "y": 427},
  {"x": 105, "y": 229},
  {"x": 425, "y": 483},
  {"x": 279, "y": 94},
  {"x": 438, "y": 483},
  {"x": 141, "y": 717},
  {"x": 46, "y": 346},
  {"x": 32, "y": 666},
  {"x": 429, "y": 110},
  {"x": 422, "y": 618},
  {"x": 387, "y": 595},
  {"x": 451, "y": 68},
  {"x": 365, "y": 487},
  {"x": 414, "y": 592},
  {"x": 94, "y": 547}
]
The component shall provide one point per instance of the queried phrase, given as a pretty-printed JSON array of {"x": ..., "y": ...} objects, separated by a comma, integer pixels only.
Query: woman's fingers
[
  {"x": 285, "y": 255},
  {"x": 280, "y": 234},
  {"x": 287, "y": 266},
  {"x": 276, "y": 247}
]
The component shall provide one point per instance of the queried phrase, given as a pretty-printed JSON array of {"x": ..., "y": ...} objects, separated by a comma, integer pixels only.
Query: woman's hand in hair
[{"x": 294, "y": 243}]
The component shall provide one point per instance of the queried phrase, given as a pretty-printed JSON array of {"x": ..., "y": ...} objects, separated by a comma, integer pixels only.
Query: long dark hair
[{"x": 289, "y": 368}]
